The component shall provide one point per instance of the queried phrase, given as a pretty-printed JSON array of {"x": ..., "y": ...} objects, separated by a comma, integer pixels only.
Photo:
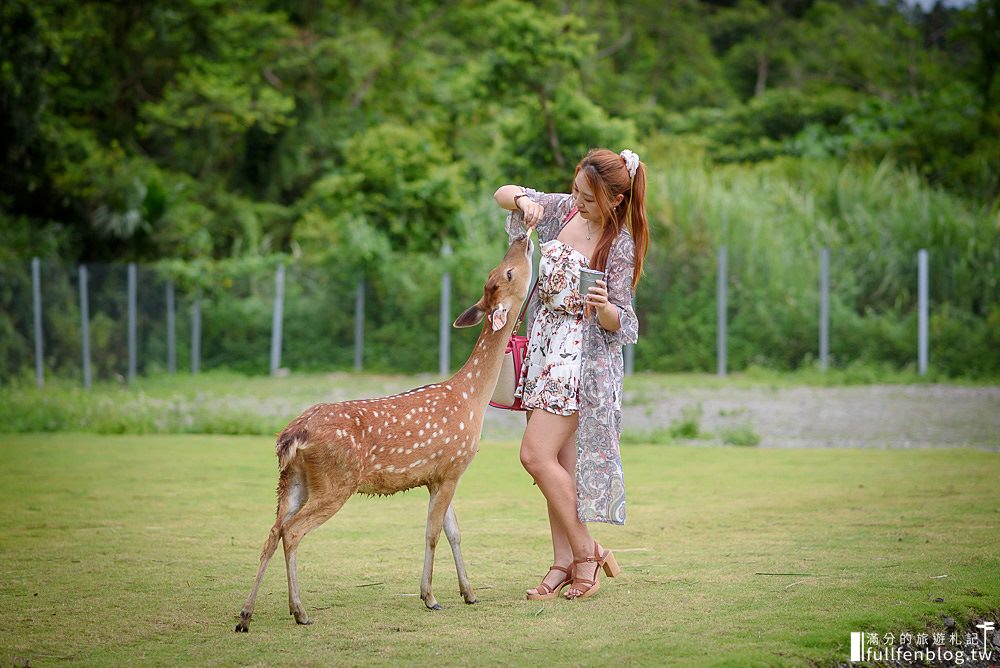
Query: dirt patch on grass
[{"x": 871, "y": 416}]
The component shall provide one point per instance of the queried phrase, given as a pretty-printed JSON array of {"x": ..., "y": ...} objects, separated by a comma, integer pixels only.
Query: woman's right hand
[{"x": 532, "y": 212}]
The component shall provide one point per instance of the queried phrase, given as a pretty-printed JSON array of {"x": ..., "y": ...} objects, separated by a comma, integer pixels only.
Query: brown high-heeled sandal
[
  {"x": 606, "y": 561},
  {"x": 544, "y": 592}
]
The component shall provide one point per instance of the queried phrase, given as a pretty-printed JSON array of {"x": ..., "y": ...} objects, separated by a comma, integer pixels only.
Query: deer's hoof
[
  {"x": 242, "y": 628},
  {"x": 472, "y": 602},
  {"x": 303, "y": 622},
  {"x": 436, "y": 606}
]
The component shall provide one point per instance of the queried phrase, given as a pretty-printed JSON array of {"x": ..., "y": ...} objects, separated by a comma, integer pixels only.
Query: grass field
[{"x": 128, "y": 549}]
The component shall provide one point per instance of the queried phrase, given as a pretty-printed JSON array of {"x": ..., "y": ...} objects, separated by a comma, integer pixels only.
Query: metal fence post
[
  {"x": 276, "y": 321},
  {"x": 196, "y": 332},
  {"x": 359, "y": 324},
  {"x": 824, "y": 309},
  {"x": 171, "y": 329},
  {"x": 85, "y": 325},
  {"x": 922, "y": 310},
  {"x": 131, "y": 322},
  {"x": 36, "y": 298},
  {"x": 721, "y": 315},
  {"x": 444, "y": 338}
]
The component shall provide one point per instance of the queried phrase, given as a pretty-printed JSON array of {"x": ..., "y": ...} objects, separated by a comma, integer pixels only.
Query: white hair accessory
[{"x": 631, "y": 162}]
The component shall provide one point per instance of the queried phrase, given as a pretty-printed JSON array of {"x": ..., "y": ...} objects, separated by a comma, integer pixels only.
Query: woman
[{"x": 573, "y": 369}]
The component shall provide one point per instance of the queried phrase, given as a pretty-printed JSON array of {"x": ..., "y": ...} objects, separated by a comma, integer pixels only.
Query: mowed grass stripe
[{"x": 119, "y": 549}]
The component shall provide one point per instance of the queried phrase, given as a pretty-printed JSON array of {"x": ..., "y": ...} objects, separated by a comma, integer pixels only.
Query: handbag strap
[{"x": 524, "y": 307}]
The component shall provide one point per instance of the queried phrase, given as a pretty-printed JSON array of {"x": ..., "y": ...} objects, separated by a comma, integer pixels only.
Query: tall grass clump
[{"x": 774, "y": 218}]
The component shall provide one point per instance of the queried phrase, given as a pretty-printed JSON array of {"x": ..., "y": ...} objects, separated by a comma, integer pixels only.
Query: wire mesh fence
[{"x": 116, "y": 321}]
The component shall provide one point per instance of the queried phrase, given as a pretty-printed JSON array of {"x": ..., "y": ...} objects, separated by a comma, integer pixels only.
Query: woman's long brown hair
[{"x": 608, "y": 177}]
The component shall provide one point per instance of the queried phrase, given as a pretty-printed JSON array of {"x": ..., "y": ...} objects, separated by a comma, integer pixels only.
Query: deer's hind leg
[
  {"x": 291, "y": 496},
  {"x": 324, "y": 500},
  {"x": 454, "y": 535}
]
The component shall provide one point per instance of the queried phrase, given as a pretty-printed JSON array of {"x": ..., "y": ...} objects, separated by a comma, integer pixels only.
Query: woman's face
[{"x": 583, "y": 197}]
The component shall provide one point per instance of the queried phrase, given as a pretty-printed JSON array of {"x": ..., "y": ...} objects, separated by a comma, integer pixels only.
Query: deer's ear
[
  {"x": 498, "y": 317},
  {"x": 471, "y": 316}
]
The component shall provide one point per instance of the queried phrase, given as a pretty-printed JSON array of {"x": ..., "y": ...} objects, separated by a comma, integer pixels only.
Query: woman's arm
[
  {"x": 505, "y": 196},
  {"x": 540, "y": 211},
  {"x": 515, "y": 198},
  {"x": 614, "y": 308}
]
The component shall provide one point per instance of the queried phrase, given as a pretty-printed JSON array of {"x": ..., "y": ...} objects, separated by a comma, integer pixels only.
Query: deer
[{"x": 426, "y": 437}]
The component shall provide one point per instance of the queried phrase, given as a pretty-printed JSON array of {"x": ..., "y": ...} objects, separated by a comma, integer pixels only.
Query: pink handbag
[{"x": 513, "y": 362}]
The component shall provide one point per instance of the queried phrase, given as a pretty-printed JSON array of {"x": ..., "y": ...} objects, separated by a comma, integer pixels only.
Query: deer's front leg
[
  {"x": 436, "y": 508},
  {"x": 454, "y": 535}
]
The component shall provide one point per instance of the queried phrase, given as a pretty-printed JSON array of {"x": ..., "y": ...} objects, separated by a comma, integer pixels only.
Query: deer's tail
[{"x": 289, "y": 442}]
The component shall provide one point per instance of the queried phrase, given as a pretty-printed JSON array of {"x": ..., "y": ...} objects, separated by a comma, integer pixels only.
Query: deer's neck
[{"x": 482, "y": 369}]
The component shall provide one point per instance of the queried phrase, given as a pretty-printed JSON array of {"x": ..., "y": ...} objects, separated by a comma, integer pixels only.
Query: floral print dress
[
  {"x": 550, "y": 376},
  {"x": 600, "y": 483}
]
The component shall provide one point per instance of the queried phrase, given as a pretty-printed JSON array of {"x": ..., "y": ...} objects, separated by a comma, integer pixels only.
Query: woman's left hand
[{"x": 597, "y": 298}]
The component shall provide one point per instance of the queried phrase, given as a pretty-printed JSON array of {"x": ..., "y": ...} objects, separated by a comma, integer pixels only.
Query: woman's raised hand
[{"x": 532, "y": 212}]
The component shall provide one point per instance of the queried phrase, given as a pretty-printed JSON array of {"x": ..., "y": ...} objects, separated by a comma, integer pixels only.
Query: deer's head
[{"x": 505, "y": 289}]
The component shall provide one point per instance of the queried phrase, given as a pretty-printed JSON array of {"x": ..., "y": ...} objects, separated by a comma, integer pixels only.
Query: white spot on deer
[
  {"x": 448, "y": 386},
  {"x": 408, "y": 451},
  {"x": 369, "y": 429},
  {"x": 381, "y": 449},
  {"x": 407, "y": 433},
  {"x": 390, "y": 468},
  {"x": 475, "y": 361},
  {"x": 420, "y": 433},
  {"x": 477, "y": 373},
  {"x": 452, "y": 459},
  {"x": 472, "y": 414},
  {"x": 445, "y": 419},
  {"x": 465, "y": 395},
  {"x": 373, "y": 457},
  {"x": 378, "y": 466},
  {"x": 468, "y": 375},
  {"x": 357, "y": 422},
  {"x": 472, "y": 389},
  {"x": 447, "y": 440},
  {"x": 461, "y": 425}
]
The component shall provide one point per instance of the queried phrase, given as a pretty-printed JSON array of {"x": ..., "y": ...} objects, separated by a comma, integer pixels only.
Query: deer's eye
[{"x": 510, "y": 274}]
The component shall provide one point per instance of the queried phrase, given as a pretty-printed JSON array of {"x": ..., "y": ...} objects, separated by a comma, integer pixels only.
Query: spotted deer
[{"x": 424, "y": 437}]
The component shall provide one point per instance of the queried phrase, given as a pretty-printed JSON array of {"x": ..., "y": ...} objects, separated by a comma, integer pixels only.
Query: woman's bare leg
[
  {"x": 546, "y": 456},
  {"x": 562, "y": 553}
]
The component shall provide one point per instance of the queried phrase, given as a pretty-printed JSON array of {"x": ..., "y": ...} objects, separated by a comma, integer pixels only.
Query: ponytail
[
  {"x": 608, "y": 176},
  {"x": 636, "y": 220}
]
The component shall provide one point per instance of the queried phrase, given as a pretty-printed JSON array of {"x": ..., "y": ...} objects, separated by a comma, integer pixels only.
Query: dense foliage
[{"x": 355, "y": 138}]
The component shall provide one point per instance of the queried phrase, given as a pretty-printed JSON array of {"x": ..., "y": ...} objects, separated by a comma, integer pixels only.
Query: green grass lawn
[{"x": 128, "y": 549}]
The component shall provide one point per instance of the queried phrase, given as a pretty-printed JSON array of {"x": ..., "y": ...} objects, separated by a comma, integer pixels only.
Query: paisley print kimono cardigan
[{"x": 600, "y": 486}]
